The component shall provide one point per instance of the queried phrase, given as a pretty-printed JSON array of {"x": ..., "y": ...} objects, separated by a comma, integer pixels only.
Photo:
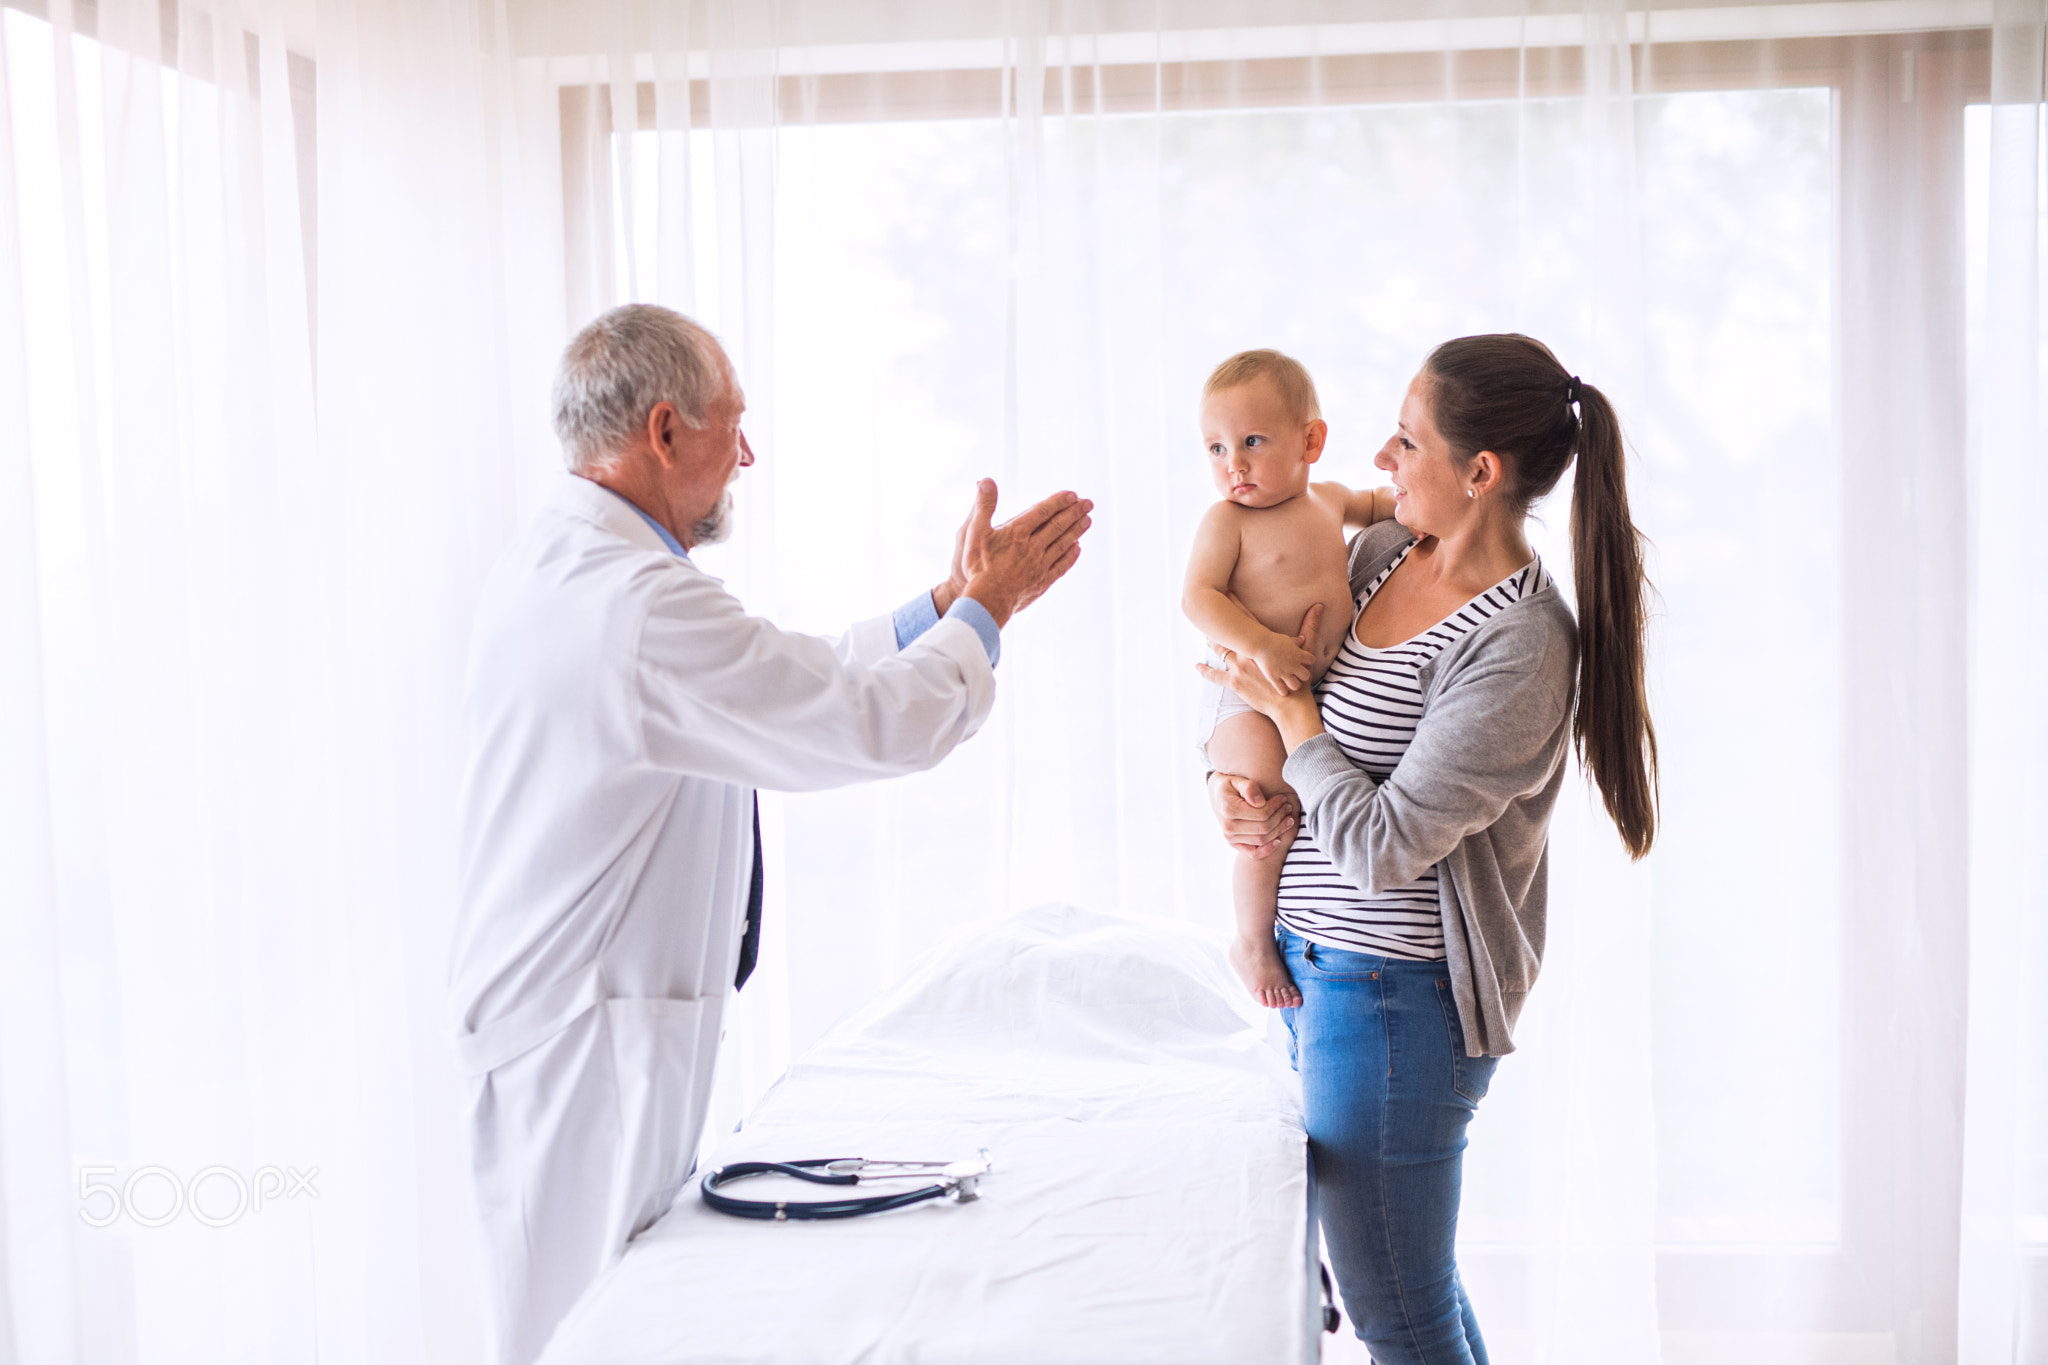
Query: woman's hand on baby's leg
[{"x": 1254, "y": 824}]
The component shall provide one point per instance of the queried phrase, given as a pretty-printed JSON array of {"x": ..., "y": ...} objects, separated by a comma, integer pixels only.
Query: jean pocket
[
  {"x": 1470, "y": 1076},
  {"x": 1335, "y": 964}
]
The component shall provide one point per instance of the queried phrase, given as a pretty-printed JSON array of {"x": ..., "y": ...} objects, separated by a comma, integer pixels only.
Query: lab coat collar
[{"x": 579, "y": 497}]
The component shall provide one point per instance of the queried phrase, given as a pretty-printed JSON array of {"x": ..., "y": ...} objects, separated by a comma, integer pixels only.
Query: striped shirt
[{"x": 1371, "y": 700}]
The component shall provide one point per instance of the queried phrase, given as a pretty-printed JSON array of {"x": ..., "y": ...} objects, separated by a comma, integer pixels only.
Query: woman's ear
[
  {"x": 1485, "y": 473},
  {"x": 1312, "y": 440}
]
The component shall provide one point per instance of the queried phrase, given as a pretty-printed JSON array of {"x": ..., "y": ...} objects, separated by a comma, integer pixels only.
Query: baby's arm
[
  {"x": 1364, "y": 506},
  {"x": 1207, "y": 600}
]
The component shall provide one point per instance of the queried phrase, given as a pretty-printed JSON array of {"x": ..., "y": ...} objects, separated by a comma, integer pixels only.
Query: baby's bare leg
[{"x": 1249, "y": 745}]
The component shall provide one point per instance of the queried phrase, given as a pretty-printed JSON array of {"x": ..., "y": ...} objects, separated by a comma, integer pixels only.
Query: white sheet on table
[{"x": 1148, "y": 1202}]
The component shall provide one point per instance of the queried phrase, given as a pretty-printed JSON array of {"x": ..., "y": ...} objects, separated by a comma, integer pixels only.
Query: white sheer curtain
[
  {"x": 269, "y": 393},
  {"x": 280, "y": 290},
  {"x": 2004, "y": 1281}
]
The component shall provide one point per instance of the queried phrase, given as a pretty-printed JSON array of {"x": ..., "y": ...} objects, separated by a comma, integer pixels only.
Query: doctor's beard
[{"x": 715, "y": 525}]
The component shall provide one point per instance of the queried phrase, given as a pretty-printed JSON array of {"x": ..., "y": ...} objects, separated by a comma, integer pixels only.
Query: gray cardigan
[{"x": 1472, "y": 795}]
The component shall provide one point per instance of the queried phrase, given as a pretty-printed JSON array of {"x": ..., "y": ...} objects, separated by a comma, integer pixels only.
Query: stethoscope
[{"x": 957, "y": 1180}]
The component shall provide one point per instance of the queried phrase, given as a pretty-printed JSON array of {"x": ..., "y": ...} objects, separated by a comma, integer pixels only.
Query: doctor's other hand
[
  {"x": 1006, "y": 568},
  {"x": 1253, "y": 823}
]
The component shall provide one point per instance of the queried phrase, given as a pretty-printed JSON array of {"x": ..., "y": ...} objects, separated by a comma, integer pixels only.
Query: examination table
[{"x": 1148, "y": 1200}]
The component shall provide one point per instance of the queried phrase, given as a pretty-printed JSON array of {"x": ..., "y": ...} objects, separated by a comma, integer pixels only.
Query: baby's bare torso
[{"x": 1291, "y": 557}]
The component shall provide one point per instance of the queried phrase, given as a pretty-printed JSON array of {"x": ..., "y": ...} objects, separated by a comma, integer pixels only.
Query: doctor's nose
[{"x": 746, "y": 452}]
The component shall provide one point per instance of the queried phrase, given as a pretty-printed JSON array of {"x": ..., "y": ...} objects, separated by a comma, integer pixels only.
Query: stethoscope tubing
[{"x": 786, "y": 1210}]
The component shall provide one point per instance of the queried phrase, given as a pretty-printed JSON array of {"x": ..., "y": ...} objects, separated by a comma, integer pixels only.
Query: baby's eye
[
  {"x": 1216, "y": 448},
  {"x": 1254, "y": 442}
]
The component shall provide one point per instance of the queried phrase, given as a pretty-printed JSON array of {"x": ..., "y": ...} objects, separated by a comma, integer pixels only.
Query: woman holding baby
[{"x": 1425, "y": 765}]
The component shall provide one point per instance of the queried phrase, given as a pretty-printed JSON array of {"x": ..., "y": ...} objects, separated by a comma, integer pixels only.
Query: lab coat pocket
[{"x": 663, "y": 1052}]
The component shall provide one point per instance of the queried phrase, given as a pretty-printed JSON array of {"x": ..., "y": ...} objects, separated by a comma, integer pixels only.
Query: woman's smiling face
[{"x": 1429, "y": 488}]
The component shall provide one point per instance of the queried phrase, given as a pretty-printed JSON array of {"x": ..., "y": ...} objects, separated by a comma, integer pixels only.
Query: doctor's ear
[{"x": 664, "y": 427}]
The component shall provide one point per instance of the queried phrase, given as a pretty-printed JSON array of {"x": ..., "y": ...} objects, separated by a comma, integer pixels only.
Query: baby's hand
[{"x": 1286, "y": 664}]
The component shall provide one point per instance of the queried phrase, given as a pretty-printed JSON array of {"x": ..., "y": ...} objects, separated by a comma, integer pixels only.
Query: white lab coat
[{"x": 621, "y": 708}]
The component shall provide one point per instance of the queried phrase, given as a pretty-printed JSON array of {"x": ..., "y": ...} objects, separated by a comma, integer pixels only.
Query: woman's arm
[
  {"x": 1496, "y": 731},
  {"x": 1293, "y": 712}
]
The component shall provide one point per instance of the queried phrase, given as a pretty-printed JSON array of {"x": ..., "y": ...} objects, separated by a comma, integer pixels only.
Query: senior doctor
[{"x": 622, "y": 708}]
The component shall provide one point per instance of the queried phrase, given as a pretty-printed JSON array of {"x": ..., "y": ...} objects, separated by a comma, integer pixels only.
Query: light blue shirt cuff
[
  {"x": 914, "y": 618},
  {"x": 918, "y": 615},
  {"x": 976, "y": 615}
]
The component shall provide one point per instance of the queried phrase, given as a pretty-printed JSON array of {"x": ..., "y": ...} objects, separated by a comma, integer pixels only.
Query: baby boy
[{"x": 1273, "y": 548}]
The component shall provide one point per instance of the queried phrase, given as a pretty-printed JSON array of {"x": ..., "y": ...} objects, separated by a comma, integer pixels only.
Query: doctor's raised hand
[
  {"x": 621, "y": 711},
  {"x": 1006, "y": 568}
]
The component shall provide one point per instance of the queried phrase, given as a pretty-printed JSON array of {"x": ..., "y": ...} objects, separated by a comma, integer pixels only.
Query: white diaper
[{"x": 1219, "y": 704}]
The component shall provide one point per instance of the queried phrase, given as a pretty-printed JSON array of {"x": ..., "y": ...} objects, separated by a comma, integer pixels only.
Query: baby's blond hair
[{"x": 1289, "y": 376}]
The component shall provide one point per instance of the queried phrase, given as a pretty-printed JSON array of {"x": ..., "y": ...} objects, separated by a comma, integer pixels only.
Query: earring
[{"x": 1470, "y": 494}]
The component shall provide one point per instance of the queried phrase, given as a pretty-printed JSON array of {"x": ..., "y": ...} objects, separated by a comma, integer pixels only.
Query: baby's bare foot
[{"x": 1264, "y": 972}]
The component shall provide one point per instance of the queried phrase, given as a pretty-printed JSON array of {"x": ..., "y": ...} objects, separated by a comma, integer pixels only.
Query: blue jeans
[{"x": 1387, "y": 1091}]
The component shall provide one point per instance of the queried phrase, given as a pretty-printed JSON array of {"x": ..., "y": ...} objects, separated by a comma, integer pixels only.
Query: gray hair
[{"x": 619, "y": 367}]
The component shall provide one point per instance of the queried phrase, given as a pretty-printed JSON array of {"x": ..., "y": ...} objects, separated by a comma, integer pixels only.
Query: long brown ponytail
[{"x": 1508, "y": 394}]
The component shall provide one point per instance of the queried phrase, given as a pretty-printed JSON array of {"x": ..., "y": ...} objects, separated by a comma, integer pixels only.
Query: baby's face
[{"x": 1259, "y": 453}]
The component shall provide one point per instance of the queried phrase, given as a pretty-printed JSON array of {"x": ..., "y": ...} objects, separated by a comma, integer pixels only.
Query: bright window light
[{"x": 893, "y": 304}]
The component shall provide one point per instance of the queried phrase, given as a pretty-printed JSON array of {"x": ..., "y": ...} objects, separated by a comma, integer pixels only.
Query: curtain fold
[
  {"x": 38, "y": 1292},
  {"x": 2004, "y": 1275},
  {"x": 281, "y": 293}
]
